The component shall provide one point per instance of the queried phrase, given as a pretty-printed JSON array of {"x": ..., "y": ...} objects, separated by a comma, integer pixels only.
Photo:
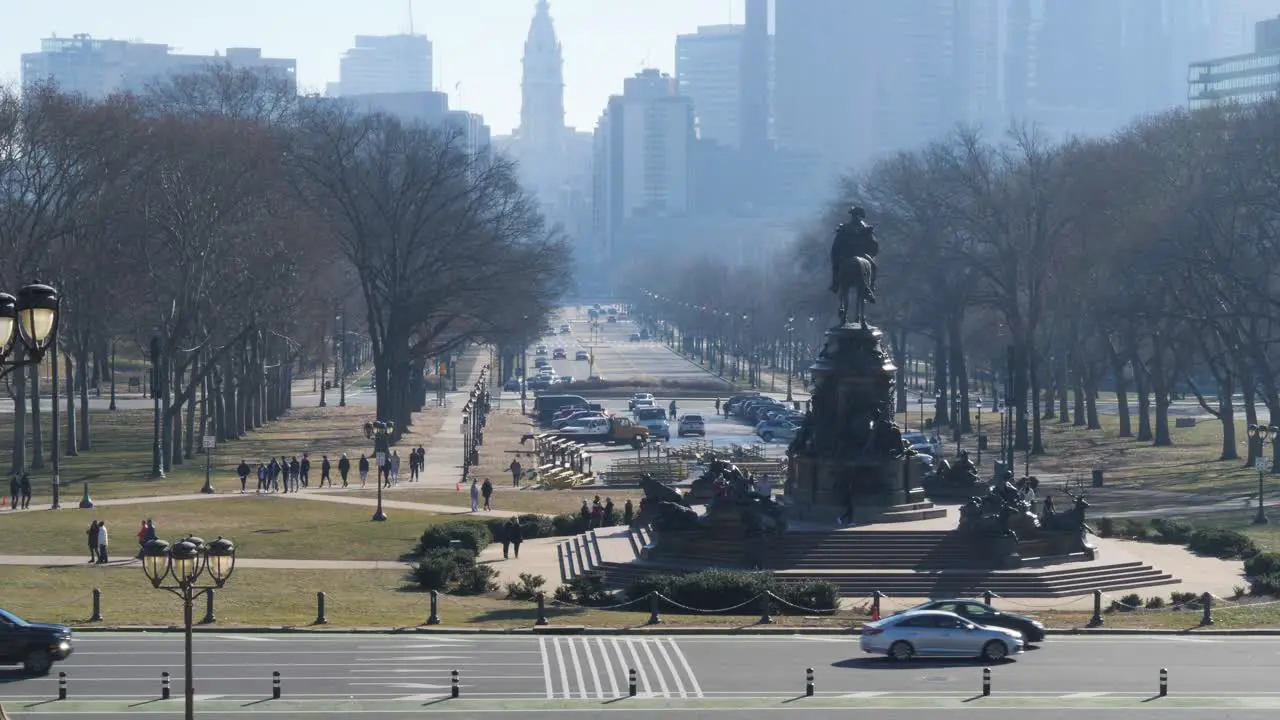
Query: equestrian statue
[{"x": 853, "y": 267}]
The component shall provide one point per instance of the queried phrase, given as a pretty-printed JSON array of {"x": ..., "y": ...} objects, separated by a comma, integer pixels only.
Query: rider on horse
[{"x": 853, "y": 239}]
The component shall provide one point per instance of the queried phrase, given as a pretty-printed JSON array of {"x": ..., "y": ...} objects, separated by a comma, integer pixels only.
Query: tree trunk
[
  {"x": 1250, "y": 392},
  {"x": 1061, "y": 380},
  {"x": 176, "y": 380},
  {"x": 1227, "y": 415},
  {"x": 72, "y": 442},
  {"x": 55, "y": 429},
  {"x": 1122, "y": 392},
  {"x": 1051, "y": 389},
  {"x": 1078, "y": 391},
  {"x": 189, "y": 451},
  {"x": 1020, "y": 385},
  {"x": 1160, "y": 388},
  {"x": 900, "y": 358},
  {"x": 1091, "y": 398},
  {"x": 86, "y": 429},
  {"x": 166, "y": 430},
  {"x": 1142, "y": 390},
  {"x": 1037, "y": 436},
  {"x": 37, "y": 429},
  {"x": 940, "y": 369},
  {"x": 204, "y": 412},
  {"x": 959, "y": 371},
  {"x": 18, "y": 461},
  {"x": 229, "y": 398}
]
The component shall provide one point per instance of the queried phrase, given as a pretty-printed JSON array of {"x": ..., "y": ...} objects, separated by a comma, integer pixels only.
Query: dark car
[
  {"x": 983, "y": 614},
  {"x": 35, "y": 646}
]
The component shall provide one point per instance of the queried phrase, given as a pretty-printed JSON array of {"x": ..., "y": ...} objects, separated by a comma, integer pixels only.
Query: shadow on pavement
[{"x": 884, "y": 663}]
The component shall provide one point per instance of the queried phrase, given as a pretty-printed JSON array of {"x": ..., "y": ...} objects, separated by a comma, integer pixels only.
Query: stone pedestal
[{"x": 847, "y": 461}]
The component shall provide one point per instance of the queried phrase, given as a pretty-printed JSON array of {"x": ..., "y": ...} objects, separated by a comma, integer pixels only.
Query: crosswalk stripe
[
  {"x": 591, "y": 665},
  {"x": 675, "y": 672},
  {"x": 546, "y": 668},
  {"x": 577, "y": 667},
  {"x": 564, "y": 671},
  {"x": 622, "y": 662},
  {"x": 657, "y": 670},
  {"x": 601, "y": 668},
  {"x": 608, "y": 668},
  {"x": 639, "y": 666},
  {"x": 684, "y": 662}
]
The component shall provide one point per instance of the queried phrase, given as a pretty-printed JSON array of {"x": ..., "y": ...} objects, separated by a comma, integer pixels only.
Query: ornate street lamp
[
  {"x": 190, "y": 568},
  {"x": 1261, "y": 434},
  {"x": 791, "y": 353},
  {"x": 31, "y": 319},
  {"x": 380, "y": 433}
]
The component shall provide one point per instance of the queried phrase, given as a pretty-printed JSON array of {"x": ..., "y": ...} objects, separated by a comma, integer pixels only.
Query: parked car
[
  {"x": 581, "y": 355},
  {"x": 565, "y": 379},
  {"x": 640, "y": 399},
  {"x": 564, "y": 329},
  {"x": 654, "y": 419},
  {"x": 983, "y": 614},
  {"x": 541, "y": 363},
  {"x": 644, "y": 334},
  {"x": 635, "y": 337},
  {"x": 918, "y": 442},
  {"x": 512, "y": 385},
  {"x": 540, "y": 350},
  {"x": 574, "y": 418},
  {"x": 538, "y": 383},
  {"x": 34, "y": 646},
  {"x": 770, "y": 430},
  {"x": 691, "y": 425},
  {"x": 932, "y": 633},
  {"x": 611, "y": 319},
  {"x": 607, "y": 430},
  {"x": 731, "y": 405},
  {"x": 558, "y": 354}
]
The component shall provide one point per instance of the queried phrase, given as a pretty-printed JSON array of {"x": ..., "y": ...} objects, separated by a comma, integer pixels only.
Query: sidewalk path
[{"x": 79, "y": 561}]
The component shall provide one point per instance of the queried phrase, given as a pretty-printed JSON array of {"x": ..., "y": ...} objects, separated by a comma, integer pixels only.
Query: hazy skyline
[{"x": 478, "y": 44}]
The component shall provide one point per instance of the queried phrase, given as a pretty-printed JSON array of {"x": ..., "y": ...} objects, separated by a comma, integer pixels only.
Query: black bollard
[
  {"x": 164, "y": 685},
  {"x": 765, "y": 602},
  {"x": 653, "y": 609},
  {"x": 275, "y": 684},
  {"x": 453, "y": 684},
  {"x": 986, "y": 682},
  {"x": 988, "y": 596},
  {"x": 1207, "y": 618},
  {"x": 320, "y": 618},
  {"x": 1096, "y": 620},
  {"x": 434, "y": 617},
  {"x": 209, "y": 617},
  {"x": 542, "y": 610},
  {"x": 1164, "y": 682},
  {"x": 631, "y": 682},
  {"x": 97, "y": 606},
  {"x": 62, "y": 686},
  {"x": 808, "y": 682}
]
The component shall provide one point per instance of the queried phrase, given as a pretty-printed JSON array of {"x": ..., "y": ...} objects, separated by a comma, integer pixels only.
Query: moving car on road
[
  {"x": 933, "y": 633},
  {"x": 540, "y": 350},
  {"x": 655, "y": 420},
  {"x": 691, "y": 425},
  {"x": 979, "y": 612},
  {"x": 558, "y": 354},
  {"x": 564, "y": 329},
  {"x": 35, "y": 646},
  {"x": 640, "y": 400},
  {"x": 511, "y": 385},
  {"x": 581, "y": 355},
  {"x": 635, "y": 337}
]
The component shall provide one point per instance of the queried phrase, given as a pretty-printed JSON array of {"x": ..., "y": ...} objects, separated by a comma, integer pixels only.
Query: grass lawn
[
  {"x": 262, "y": 527},
  {"x": 546, "y": 502},
  {"x": 120, "y": 461}
]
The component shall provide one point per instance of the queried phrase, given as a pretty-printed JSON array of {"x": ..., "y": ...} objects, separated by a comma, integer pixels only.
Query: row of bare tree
[
  {"x": 1144, "y": 263},
  {"x": 218, "y": 222}
]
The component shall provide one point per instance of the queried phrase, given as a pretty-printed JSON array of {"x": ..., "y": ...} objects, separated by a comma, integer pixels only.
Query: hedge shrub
[
  {"x": 531, "y": 526},
  {"x": 1221, "y": 543},
  {"x": 724, "y": 589},
  {"x": 1265, "y": 563},
  {"x": 474, "y": 535},
  {"x": 441, "y": 568},
  {"x": 1176, "y": 532}
]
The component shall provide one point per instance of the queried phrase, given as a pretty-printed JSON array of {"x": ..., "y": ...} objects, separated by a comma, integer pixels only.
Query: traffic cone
[
  {"x": 457, "y": 487},
  {"x": 3, "y": 501},
  {"x": 875, "y": 613}
]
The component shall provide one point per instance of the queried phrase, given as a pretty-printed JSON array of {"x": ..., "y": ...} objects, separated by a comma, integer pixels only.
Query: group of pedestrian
[
  {"x": 604, "y": 514},
  {"x": 292, "y": 474},
  {"x": 477, "y": 491},
  {"x": 20, "y": 492},
  {"x": 511, "y": 535},
  {"x": 97, "y": 537},
  {"x": 146, "y": 534}
]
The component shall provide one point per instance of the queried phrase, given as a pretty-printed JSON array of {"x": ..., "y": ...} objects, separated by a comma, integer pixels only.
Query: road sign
[
  {"x": 1260, "y": 464},
  {"x": 209, "y": 442}
]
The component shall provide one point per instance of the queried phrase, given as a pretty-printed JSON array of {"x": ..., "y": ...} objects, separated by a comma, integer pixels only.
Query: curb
[{"x": 642, "y": 630}]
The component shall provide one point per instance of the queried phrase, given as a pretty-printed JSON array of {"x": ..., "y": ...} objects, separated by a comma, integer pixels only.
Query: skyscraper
[
  {"x": 381, "y": 64},
  {"x": 541, "y": 136},
  {"x": 708, "y": 71}
]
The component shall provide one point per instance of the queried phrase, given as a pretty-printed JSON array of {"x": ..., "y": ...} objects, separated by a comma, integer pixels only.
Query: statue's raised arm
[{"x": 852, "y": 266}]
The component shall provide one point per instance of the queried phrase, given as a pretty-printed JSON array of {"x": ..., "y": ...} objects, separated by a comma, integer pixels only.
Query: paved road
[{"x": 690, "y": 669}]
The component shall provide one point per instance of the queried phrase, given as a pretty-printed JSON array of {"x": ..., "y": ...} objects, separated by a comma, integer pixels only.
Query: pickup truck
[
  {"x": 33, "y": 645},
  {"x": 655, "y": 421},
  {"x": 606, "y": 430}
]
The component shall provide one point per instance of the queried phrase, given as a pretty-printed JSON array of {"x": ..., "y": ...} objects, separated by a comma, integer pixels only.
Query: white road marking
[
  {"x": 564, "y": 672},
  {"x": 864, "y": 695},
  {"x": 684, "y": 662},
  {"x": 675, "y": 672},
  {"x": 1072, "y": 696},
  {"x": 657, "y": 670},
  {"x": 546, "y": 667},
  {"x": 412, "y": 658},
  {"x": 623, "y": 665},
  {"x": 249, "y": 638},
  {"x": 591, "y": 665},
  {"x": 608, "y": 668},
  {"x": 639, "y": 668},
  {"x": 419, "y": 698},
  {"x": 577, "y": 668},
  {"x": 203, "y": 698}
]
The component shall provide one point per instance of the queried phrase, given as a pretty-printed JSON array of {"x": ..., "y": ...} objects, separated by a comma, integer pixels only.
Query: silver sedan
[{"x": 934, "y": 633}]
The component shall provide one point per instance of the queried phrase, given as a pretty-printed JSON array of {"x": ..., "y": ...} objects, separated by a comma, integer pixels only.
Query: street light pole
[
  {"x": 979, "y": 463},
  {"x": 324, "y": 367},
  {"x": 791, "y": 353},
  {"x": 1261, "y": 434},
  {"x": 340, "y": 349},
  {"x": 380, "y": 432}
]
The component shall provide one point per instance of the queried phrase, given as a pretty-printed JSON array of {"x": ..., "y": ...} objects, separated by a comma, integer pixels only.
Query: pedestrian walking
[
  {"x": 24, "y": 487},
  {"x": 610, "y": 513},
  {"x": 597, "y": 512},
  {"x": 413, "y": 465},
  {"x": 504, "y": 537},
  {"x": 15, "y": 492},
  {"x": 262, "y": 478},
  {"x": 92, "y": 534},
  {"x": 364, "y": 469},
  {"x": 386, "y": 471},
  {"x": 422, "y": 459},
  {"x": 103, "y": 556},
  {"x": 487, "y": 491},
  {"x": 515, "y": 533},
  {"x": 295, "y": 470},
  {"x": 516, "y": 471},
  {"x": 344, "y": 467},
  {"x": 671, "y": 410},
  {"x": 243, "y": 471},
  {"x": 717, "y": 406},
  {"x": 475, "y": 496},
  {"x": 585, "y": 513},
  {"x": 628, "y": 512},
  {"x": 324, "y": 471},
  {"x": 304, "y": 471},
  {"x": 395, "y": 467}
]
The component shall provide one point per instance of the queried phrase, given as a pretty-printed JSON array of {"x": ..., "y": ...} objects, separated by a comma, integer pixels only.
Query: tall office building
[
  {"x": 542, "y": 131},
  {"x": 1239, "y": 79},
  {"x": 755, "y": 94},
  {"x": 709, "y": 72},
  {"x": 96, "y": 68},
  {"x": 386, "y": 64}
]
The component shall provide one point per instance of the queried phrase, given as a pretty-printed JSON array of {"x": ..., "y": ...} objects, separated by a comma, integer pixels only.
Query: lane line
[
  {"x": 657, "y": 670},
  {"x": 639, "y": 668},
  {"x": 623, "y": 666},
  {"x": 564, "y": 672},
  {"x": 595, "y": 672},
  {"x": 693, "y": 679},
  {"x": 608, "y": 667},
  {"x": 1083, "y": 695},
  {"x": 546, "y": 667},
  {"x": 671, "y": 666},
  {"x": 577, "y": 668}
]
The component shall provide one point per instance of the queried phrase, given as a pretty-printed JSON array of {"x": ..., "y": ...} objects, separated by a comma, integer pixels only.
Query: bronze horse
[{"x": 853, "y": 268}]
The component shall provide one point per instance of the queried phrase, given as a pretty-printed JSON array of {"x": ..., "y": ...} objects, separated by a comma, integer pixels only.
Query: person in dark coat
[
  {"x": 364, "y": 469},
  {"x": 15, "y": 491},
  {"x": 504, "y": 536},
  {"x": 243, "y": 471},
  {"x": 486, "y": 489},
  {"x": 24, "y": 485},
  {"x": 325, "y": 466},
  {"x": 344, "y": 467},
  {"x": 92, "y": 532},
  {"x": 515, "y": 535},
  {"x": 628, "y": 512}
]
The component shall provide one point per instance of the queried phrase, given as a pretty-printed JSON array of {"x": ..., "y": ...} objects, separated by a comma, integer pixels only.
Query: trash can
[
  {"x": 982, "y": 441},
  {"x": 1097, "y": 477}
]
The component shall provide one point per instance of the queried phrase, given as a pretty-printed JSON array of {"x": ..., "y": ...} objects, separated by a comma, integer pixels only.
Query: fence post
[
  {"x": 97, "y": 606},
  {"x": 275, "y": 684},
  {"x": 988, "y": 596},
  {"x": 542, "y": 610},
  {"x": 320, "y": 617},
  {"x": 209, "y": 617},
  {"x": 631, "y": 682},
  {"x": 164, "y": 685},
  {"x": 62, "y": 686},
  {"x": 765, "y": 602},
  {"x": 875, "y": 605},
  {"x": 434, "y": 617},
  {"x": 808, "y": 682},
  {"x": 453, "y": 684},
  {"x": 653, "y": 609},
  {"x": 1164, "y": 682},
  {"x": 1207, "y": 600},
  {"x": 1096, "y": 620},
  {"x": 986, "y": 682}
]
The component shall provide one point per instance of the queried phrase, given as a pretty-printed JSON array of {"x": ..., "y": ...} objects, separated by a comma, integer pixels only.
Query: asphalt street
[{"x": 714, "y": 671}]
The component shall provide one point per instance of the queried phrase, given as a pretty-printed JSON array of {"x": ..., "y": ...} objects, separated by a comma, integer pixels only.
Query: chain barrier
[
  {"x": 811, "y": 611},
  {"x": 686, "y": 608},
  {"x": 560, "y": 603}
]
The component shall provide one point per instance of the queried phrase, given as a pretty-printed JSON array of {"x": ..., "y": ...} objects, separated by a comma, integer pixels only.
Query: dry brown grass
[{"x": 546, "y": 502}]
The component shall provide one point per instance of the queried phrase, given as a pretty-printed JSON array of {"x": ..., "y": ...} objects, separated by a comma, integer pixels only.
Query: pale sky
[{"x": 477, "y": 43}]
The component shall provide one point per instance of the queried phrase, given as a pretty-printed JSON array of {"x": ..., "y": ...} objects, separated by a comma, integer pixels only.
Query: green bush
[
  {"x": 568, "y": 524},
  {"x": 473, "y": 535},
  {"x": 1155, "y": 602},
  {"x": 1176, "y": 532},
  {"x": 475, "y": 580},
  {"x": 1266, "y": 563},
  {"x": 1134, "y": 529},
  {"x": 724, "y": 589},
  {"x": 820, "y": 595},
  {"x": 587, "y": 589},
  {"x": 527, "y": 589},
  {"x": 439, "y": 568},
  {"x": 1188, "y": 600},
  {"x": 1221, "y": 543},
  {"x": 1106, "y": 527}
]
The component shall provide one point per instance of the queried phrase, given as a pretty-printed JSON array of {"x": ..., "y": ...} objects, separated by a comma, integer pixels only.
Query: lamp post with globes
[
  {"x": 28, "y": 328},
  {"x": 380, "y": 433},
  {"x": 1261, "y": 434},
  {"x": 189, "y": 568}
]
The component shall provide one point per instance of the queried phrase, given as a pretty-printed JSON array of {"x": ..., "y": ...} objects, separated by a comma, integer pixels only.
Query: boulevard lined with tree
[
  {"x": 214, "y": 226},
  {"x": 1143, "y": 263}
]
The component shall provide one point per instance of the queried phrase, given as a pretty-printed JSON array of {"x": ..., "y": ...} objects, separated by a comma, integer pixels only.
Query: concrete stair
[
  {"x": 871, "y": 550},
  {"x": 579, "y": 554},
  {"x": 1022, "y": 584},
  {"x": 908, "y": 512}
]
